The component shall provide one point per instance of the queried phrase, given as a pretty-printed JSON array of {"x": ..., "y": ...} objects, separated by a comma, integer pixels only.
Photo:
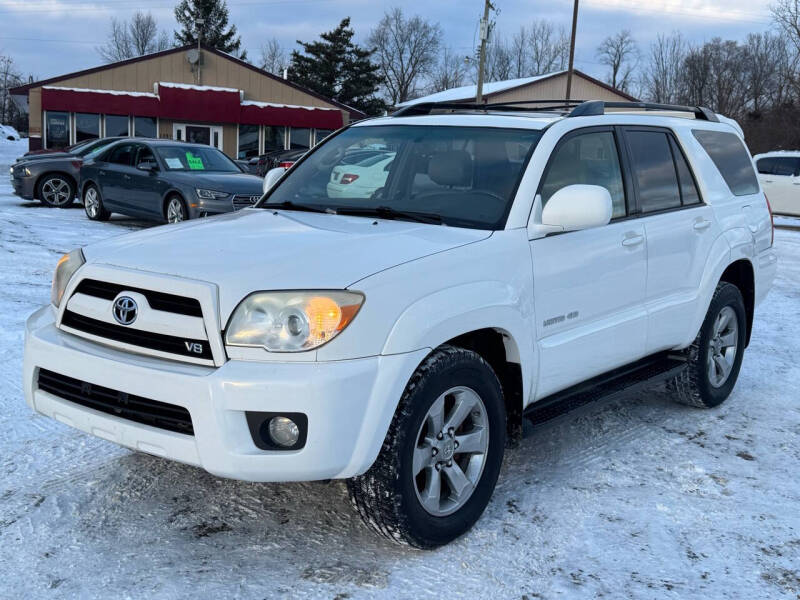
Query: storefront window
[
  {"x": 145, "y": 127},
  {"x": 87, "y": 127},
  {"x": 273, "y": 138},
  {"x": 248, "y": 141},
  {"x": 57, "y": 129},
  {"x": 322, "y": 134},
  {"x": 116, "y": 126},
  {"x": 299, "y": 138}
]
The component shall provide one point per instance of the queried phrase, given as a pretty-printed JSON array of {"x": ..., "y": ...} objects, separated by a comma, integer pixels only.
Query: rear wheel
[
  {"x": 442, "y": 454},
  {"x": 93, "y": 204},
  {"x": 176, "y": 210},
  {"x": 56, "y": 190},
  {"x": 715, "y": 356}
]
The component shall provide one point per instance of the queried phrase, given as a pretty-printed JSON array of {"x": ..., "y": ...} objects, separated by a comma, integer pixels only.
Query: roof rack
[
  {"x": 425, "y": 108},
  {"x": 598, "y": 107}
]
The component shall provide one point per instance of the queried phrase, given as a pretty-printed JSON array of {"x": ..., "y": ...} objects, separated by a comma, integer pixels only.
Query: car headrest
[{"x": 453, "y": 167}]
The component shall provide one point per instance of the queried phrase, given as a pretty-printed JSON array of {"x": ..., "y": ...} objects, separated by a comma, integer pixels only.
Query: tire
[
  {"x": 56, "y": 191},
  {"x": 714, "y": 364},
  {"x": 389, "y": 496},
  {"x": 93, "y": 204},
  {"x": 175, "y": 210}
]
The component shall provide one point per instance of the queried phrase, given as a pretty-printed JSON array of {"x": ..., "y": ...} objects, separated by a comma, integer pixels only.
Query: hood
[
  {"x": 233, "y": 183},
  {"x": 47, "y": 156},
  {"x": 259, "y": 249}
]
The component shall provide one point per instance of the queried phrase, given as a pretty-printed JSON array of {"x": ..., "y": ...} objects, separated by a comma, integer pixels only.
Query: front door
[
  {"x": 147, "y": 187},
  {"x": 210, "y": 135},
  {"x": 589, "y": 286}
]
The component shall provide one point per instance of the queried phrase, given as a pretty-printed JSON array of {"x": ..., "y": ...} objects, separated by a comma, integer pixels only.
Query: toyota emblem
[{"x": 125, "y": 310}]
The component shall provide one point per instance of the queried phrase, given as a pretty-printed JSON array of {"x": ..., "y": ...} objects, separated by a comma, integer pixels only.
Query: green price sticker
[{"x": 194, "y": 162}]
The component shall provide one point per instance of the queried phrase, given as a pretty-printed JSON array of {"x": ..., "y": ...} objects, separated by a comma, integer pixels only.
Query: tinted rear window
[{"x": 731, "y": 158}]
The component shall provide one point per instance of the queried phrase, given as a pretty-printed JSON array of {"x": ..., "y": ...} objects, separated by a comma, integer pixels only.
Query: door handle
[
  {"x": 127, "y": 176},
  {"x": 633, "y": 240},
  {"x": 102, "y": 172},
  {"x": 701, "y": 225},
  {"x": 769, "y": 181}
]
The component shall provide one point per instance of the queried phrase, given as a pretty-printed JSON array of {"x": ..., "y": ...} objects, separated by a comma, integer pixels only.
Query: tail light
[
  {"x": 348, "y": 178},
  {"x": 286, "y": 164},
  {"x": 771, "y": 220}
]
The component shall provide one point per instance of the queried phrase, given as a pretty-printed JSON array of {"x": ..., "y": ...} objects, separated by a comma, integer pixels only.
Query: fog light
[{"x": 283, "y": 431}]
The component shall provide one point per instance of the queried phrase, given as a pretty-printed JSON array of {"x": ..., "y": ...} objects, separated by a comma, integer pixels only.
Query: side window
[
  {"x": 785, "y": 166},
  {"x": 689, "y": 193},
  {"x": 731, "y": 158},
  {"x": 590, "y": 159},
  {"x": 766, "y": 166},
  {"x": 143, "y": 153},
  {"x": 122, "y": 155},
  {"x": 653, "y": 170}
]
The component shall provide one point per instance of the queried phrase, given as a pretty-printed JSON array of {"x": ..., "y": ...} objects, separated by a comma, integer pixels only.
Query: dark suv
[{"x": 164, "y": 180}]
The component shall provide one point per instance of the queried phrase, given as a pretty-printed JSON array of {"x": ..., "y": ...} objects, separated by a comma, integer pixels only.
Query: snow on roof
[
  {"x": 199, "y": 88},
  {"x": 468, "y": 92},
  {"x": 274, "y": 105},
  {"x": 112, "y": 92}
]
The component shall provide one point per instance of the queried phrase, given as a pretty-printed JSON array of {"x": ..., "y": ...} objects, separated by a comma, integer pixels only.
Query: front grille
[
  {"x": 240, "y": 202},
  {"x": 157, "y": 300},
  {"x": 145, "y": 339},
  {"x": 113, "y": 402}
]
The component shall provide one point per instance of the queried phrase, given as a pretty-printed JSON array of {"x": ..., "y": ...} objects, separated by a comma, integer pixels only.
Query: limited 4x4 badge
[{"x": 561, "y": 318}]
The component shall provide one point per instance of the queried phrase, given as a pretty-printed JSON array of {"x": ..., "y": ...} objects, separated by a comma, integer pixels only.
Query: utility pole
[
  {"x": 199, "y": 24},
  {"x": 572, "y": 49},
  {"x": 482, "y": 58}
]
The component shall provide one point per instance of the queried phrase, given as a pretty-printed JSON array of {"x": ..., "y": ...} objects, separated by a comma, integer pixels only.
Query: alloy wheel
[
  {"x": 56, "y": 191},
  {"x": 91, "y": 203},
  {"x": 722, "y": 346},
  {"x": 450, "y": 451},
  {"x": 175, "y": 211}
]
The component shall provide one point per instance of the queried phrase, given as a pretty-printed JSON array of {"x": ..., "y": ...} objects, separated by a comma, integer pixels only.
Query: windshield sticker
[
  {"x": 174, "y": 163},
  {"x": 194, "y": 162}
]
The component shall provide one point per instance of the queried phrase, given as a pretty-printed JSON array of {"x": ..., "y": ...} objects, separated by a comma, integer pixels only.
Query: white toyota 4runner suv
[{"x": 509, "y": 261}]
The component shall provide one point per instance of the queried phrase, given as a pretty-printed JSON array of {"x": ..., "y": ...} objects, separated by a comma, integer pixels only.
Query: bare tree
[
  {"x": 620, "y": 54},
  {"x": 786, "y": 14},
  {"x": 662, "y": 77},
  {"x": 499, "y": 64},
  {"x": 548, "y": 48},
  {"x": 449, "y": 73},
  {"x": 765, "y": 56},
  {"x": 10, "y": 112},
  {"x": 406, "y": 51},
  {"x": 519, "y": 52},
  {"x": 273, "y": 57},
  {"x": 136, "y": 37}
]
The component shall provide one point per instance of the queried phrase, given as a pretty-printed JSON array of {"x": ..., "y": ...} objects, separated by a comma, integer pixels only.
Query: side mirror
[
  {"x": 578, "y": 207},
  {"x": 272, "y": 176},
  {"x": 147, "y": 165}
]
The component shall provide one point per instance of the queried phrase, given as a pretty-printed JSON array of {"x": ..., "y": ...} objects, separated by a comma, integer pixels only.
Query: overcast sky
[{"x": 53, "y": 37}]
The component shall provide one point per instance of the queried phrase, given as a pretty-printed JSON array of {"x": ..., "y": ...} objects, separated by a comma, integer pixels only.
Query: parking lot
[{"x": 636, "y": 498}]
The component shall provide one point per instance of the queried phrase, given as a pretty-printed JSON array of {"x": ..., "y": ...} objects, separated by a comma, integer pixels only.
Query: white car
[
  {"x": 517, "y": 262},
  {"x": 7, "y": 132},
  {"x": 779, "y": 174},
  {"x": 361, "y": 179}
]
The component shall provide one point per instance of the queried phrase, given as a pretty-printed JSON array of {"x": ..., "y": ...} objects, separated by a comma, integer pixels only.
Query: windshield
[
  {"x": 196, "y": 158},
  {"x": 92, "y": 150},
  {"x": 464, "y": 176}
]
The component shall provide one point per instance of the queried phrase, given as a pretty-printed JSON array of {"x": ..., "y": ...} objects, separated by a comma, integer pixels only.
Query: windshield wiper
[
  {"x": 289, "y": 205},
  {"x": 386, "y": 212}
]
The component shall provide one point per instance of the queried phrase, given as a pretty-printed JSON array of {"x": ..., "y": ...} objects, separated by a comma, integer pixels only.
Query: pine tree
[
  {"x": 215, "y": 31},
  {"x": 337, "y": 68}
]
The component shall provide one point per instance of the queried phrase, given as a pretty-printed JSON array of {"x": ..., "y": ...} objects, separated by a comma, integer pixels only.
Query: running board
[{"x": 614, "y": 384}]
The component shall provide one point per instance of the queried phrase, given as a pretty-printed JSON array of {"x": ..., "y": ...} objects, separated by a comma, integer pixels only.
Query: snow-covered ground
[{"x": 640, "y": 498}]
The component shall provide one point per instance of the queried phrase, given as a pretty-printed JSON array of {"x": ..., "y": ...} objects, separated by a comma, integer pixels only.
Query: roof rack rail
[
  {"x": 598, "y": 107},
  {"x": 425, "y": 108}
]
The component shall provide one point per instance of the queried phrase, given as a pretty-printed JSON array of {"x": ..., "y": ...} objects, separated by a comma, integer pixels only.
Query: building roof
[
  {"x": 468, "y": 92},
  {"x": 24, "y": 89}
]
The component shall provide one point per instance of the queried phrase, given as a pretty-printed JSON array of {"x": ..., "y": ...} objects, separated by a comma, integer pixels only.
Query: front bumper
[
  {"x": 23, "y": 187},
  {"x": 349, "y": 404}
]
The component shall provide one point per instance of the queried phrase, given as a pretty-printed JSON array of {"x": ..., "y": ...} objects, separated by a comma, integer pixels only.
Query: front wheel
[
  {"x": 56, "y": 191},
  {"x": 176, "y": 210},
  {"x": 716, "y": 355},
  {"x": 441, "y": 456}
]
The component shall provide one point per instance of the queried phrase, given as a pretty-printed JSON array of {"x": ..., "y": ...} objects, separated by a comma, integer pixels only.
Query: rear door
[
  {"x": 113, "y": 185},
  {"x": 680, "y": 231},
  {"x": 589, "y": 285}
]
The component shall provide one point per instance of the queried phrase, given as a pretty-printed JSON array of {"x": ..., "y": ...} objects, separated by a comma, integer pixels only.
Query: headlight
[
  {"x": 27, "y": 172},
  {"x": 65, "y": 269},
  {"x": 291, "y": 321},
  {"x": 210, "y": 194}
]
